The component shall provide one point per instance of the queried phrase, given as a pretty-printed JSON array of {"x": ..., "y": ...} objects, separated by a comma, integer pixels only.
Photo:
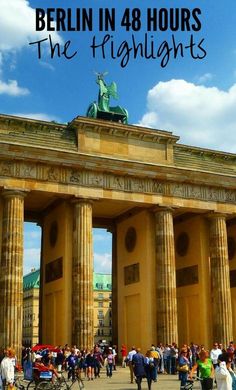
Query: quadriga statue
[{"x": 102, "y": 108}]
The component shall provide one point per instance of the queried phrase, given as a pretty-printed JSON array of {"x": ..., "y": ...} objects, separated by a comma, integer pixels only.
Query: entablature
[{"x": 75, "y": 178}]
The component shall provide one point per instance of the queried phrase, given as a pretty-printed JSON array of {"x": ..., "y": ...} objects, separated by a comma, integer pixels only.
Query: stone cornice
[
  {"x": 121, "y": 130},
  {"x": 15, "y": 123},
  {"x": 50, "y": 136},
  {"x": 204, "y": 152},
  {"x": 9, "y": 121}
]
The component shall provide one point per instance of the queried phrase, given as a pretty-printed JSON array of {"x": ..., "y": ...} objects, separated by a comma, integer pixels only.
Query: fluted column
[
  {"x": 114, "y": 288},
  {"x": 82, "y": 276},
  {"x": 167, "y": 329},
  {"x": 220, "y": 281},
  {"x": 11, "y": 271}
]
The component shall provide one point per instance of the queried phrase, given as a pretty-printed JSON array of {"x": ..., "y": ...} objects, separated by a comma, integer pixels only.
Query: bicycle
[
  {"x": 61, "y": 383},
  {"x": 19, "y": 383},
  {"x": 190, "y": 383},
  {"x": 37, "y": 378},
  {"x": 24, "y": 384}
]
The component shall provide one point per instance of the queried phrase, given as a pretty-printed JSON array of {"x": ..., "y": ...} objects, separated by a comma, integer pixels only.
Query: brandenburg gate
[{"x": 171, "y": 210}]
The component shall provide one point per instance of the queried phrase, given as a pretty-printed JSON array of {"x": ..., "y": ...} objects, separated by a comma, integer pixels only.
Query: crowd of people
[
  {"x": 209, "y": 366},
  {"x": 215, "y": 365},
  {"x": 72, "y": 360}
]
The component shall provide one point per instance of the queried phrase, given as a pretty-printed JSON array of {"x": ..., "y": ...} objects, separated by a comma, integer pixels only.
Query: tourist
[
  {"x": 183, "y": 367},
  {"x": 167, "y": 358},
  {"x": 90, "y": 362},
  {"x": 206, "y": 370},
  {"x": 232, "y": 374},
  {"x": 60, "y": 359},
  {"x": 124, "y": 355},
  {"x": 149, "y": 369},
  {"x": 223, "y": 377},
  {"x": 7, "y": 368},
  {"x": 82, "y": 362},
  {"x": 129, "y": 359},
  {"x": 193, "y": 356},
  {"x": 214, "y": 354},
  {"x": 231, "y": 351},
  {"x": 98, "y": 361},
  {"x": 160, "y": 350},
  {"x": 67, "y": 353},
  {"x": 110, "y": 362},
  {"x": 72, "y": 363},
  {"x": 173, "y": 358},
  {"x": 26, "y": 363},
  {"x": 138, "y": 362},
  {"x": 155, "y": 357},
  {"x": 114, "y": 352}
]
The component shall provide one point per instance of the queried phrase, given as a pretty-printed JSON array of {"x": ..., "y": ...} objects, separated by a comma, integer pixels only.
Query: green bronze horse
[{"x": 102, "y": 108}]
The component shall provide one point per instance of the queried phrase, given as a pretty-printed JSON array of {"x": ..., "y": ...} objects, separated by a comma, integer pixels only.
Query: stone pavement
[{"x": 120, "y": 380}]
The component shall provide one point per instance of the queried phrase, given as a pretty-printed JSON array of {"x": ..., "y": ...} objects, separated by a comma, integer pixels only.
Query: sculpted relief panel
[{"x": 86, "y": 178}]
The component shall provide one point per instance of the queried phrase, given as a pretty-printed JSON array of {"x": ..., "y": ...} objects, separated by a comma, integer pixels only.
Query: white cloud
[
  {"x": 31, "y": 259},
  {"x": 17, "y": 25},
  {"x": 17, "y": 30},
  {"x": 102, "y": 263},
  {"x": 12, "y": 88},
  {"x": 200, "y": 115}
]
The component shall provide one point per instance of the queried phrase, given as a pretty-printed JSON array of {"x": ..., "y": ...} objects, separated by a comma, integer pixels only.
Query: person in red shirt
[
  {"x": 124, "y": 355},
  {"x": 231, "y": 351}
]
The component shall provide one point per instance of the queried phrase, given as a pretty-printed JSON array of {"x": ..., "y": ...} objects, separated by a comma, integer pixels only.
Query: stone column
[
  {"x": 11, "y": 271},
  {"x": 220, "y": 281},
  {"x": 114, "y": 288},
  {"x": 167, "y": 323},
  {"x": 40, "y": 332},
  {"x": 82, "y": 276}
]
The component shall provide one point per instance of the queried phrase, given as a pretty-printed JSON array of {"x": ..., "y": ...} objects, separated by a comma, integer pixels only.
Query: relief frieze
[
  {"x": 7, "y": 168},
  {"x": 75, "y": 176},
  {"x": 138, "y": 185},
  {"x": 116, "y": 183},
  {"x": 95, "y": 179},
  {"x": 86, "y": 178},
  {"x": 53, "y": 174},
  {"x": 177, "y": 190},
  {"x": 28, "y": 171}
]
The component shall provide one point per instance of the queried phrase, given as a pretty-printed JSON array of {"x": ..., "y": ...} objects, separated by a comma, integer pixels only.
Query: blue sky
[{"x": 193, "y": 98}]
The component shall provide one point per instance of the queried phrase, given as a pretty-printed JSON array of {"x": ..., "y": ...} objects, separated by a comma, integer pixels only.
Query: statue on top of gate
[{"x": 102, "y": 108}]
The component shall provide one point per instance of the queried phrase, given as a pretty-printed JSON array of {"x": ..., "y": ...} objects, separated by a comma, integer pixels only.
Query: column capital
[
  {"x": 79, "y": 200},
  {"x": 215, "y": 215},
  {"x": 158, "y": 209},
  {"x": 13, "y": 193}
]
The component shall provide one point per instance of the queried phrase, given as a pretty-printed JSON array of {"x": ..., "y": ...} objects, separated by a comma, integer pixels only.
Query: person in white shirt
[
  {"x": 222, "y": 375},
  {"x": 7, "y": 367},
  {"x": 129, "y": 359},
  {"x": 214, "y": 354}
]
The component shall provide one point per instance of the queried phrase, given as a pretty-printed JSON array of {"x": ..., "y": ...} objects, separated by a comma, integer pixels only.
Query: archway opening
[{"x": 102, "y": 250}]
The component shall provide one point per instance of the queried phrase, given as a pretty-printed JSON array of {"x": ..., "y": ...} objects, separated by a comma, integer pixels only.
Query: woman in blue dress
[{"x": 184, "y": 365}]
